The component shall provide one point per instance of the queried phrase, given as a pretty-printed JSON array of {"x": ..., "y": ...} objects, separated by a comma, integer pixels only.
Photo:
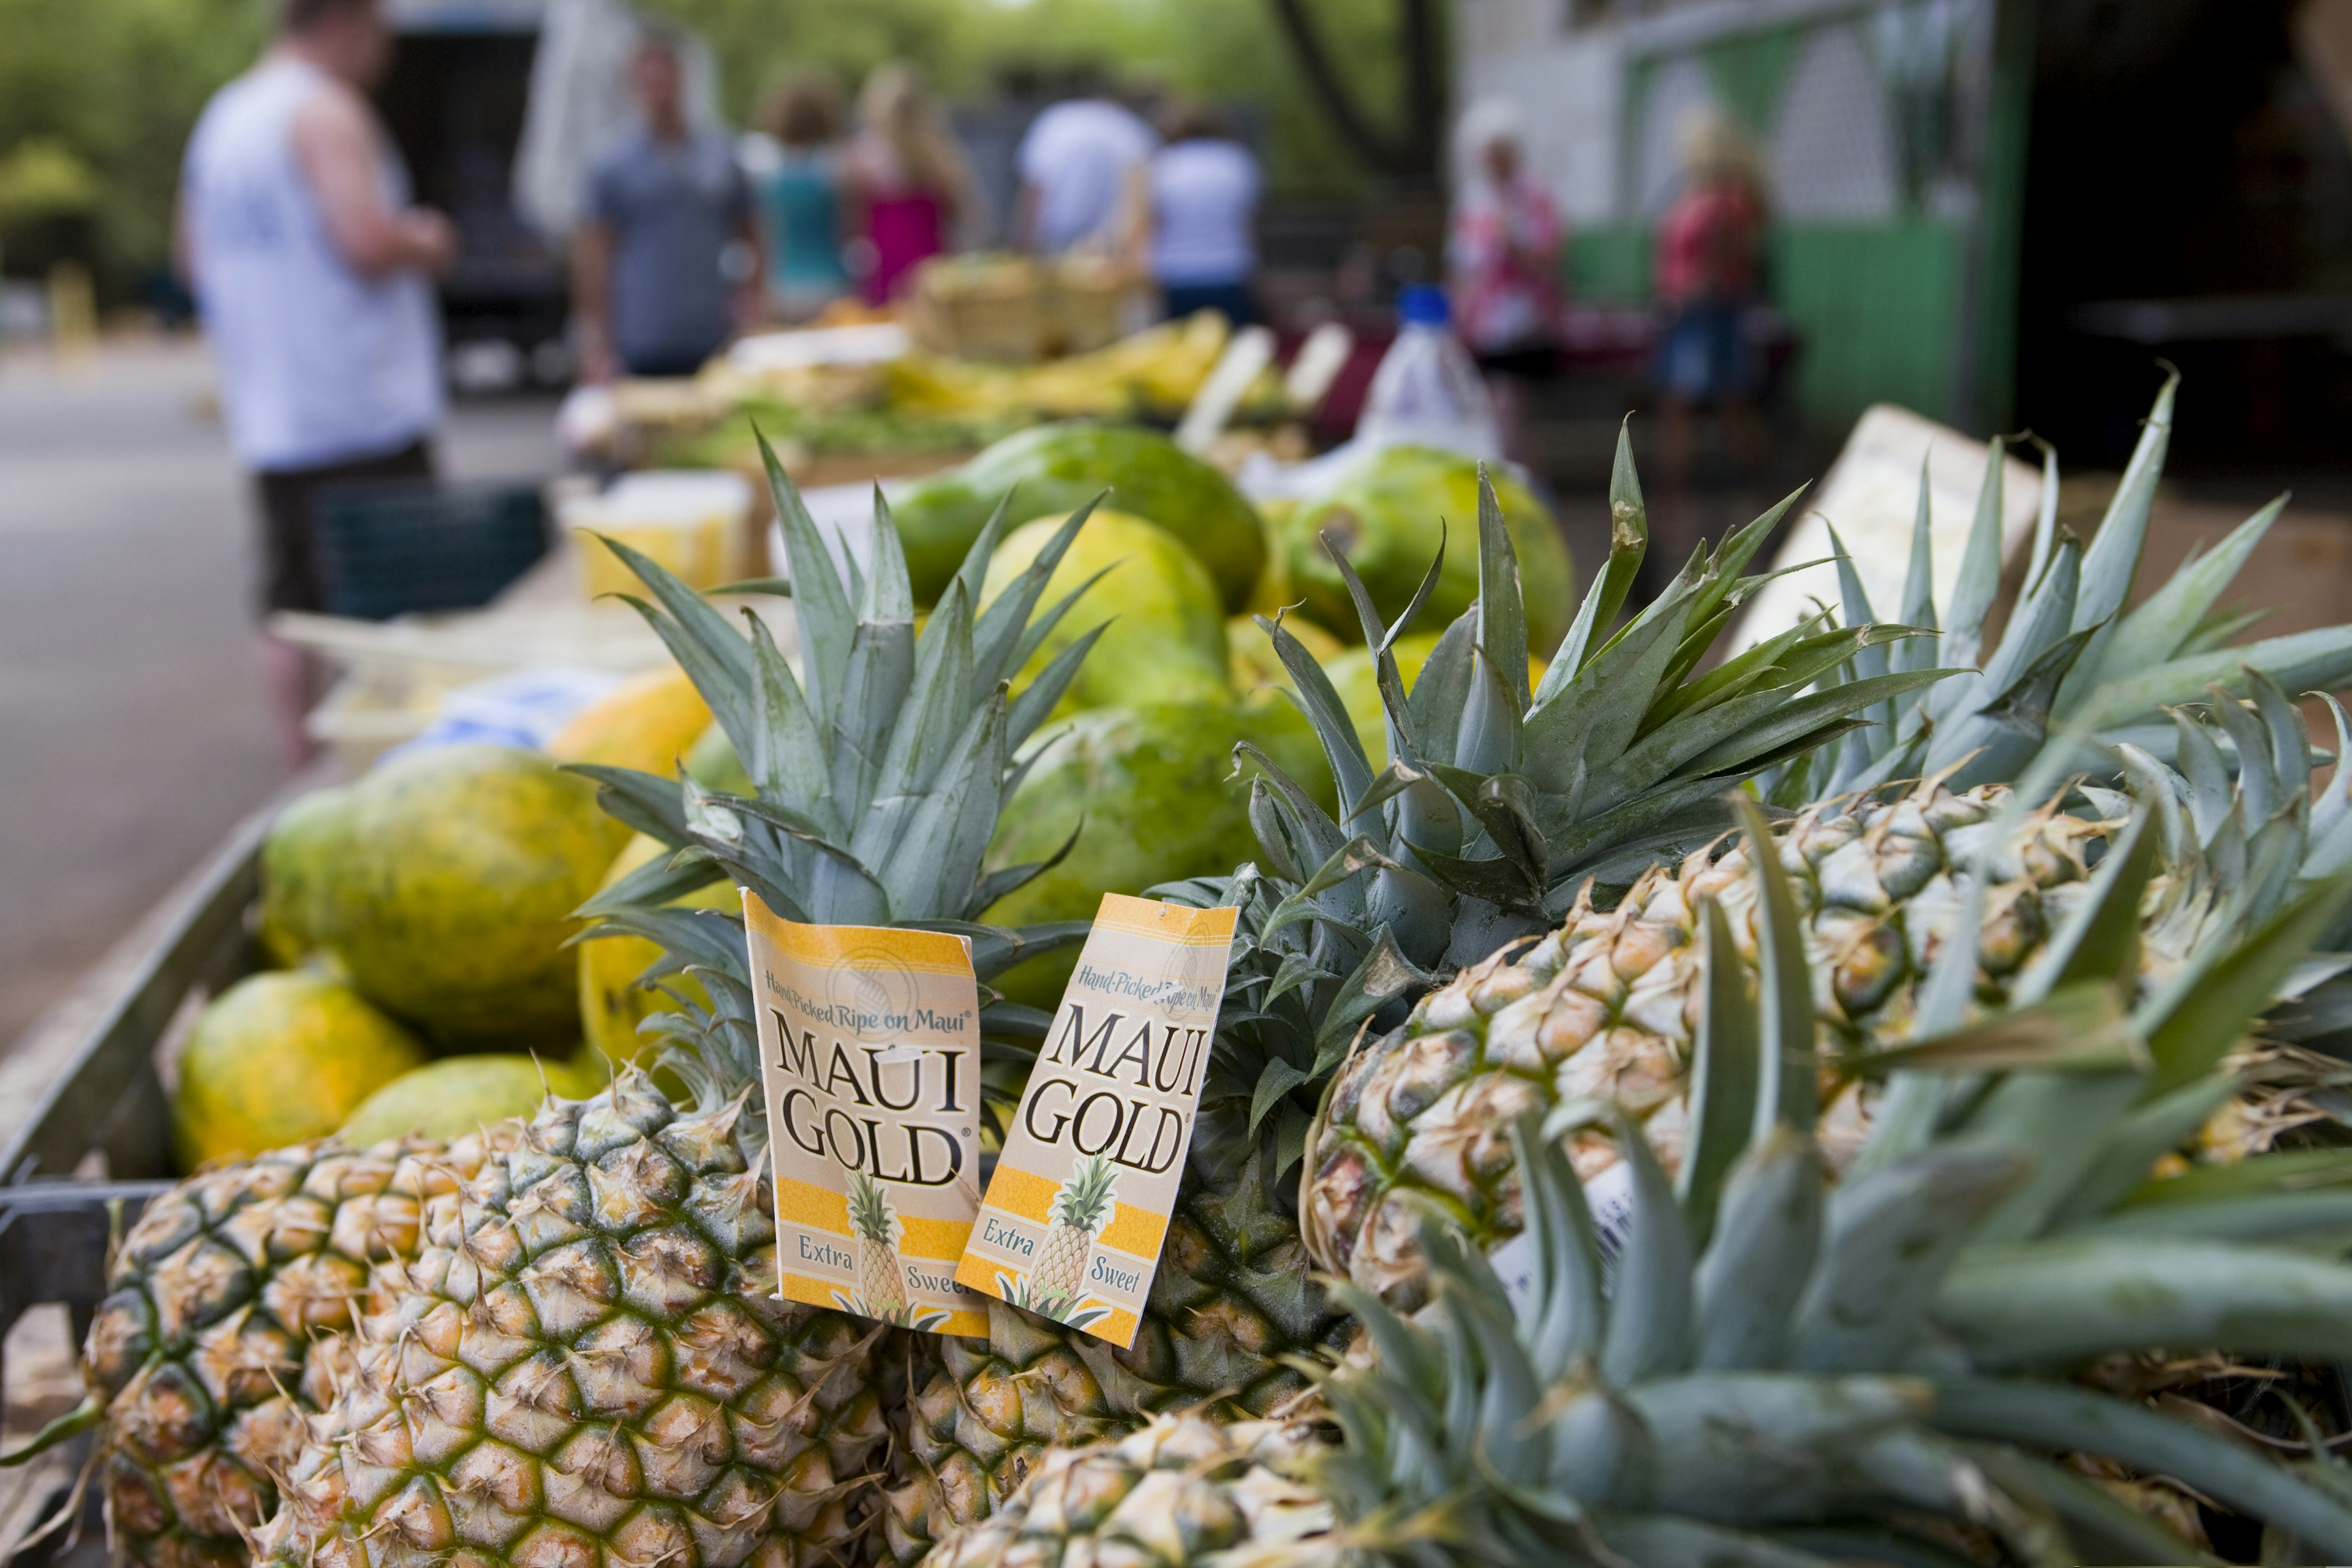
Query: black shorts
[{"x": 288, "y": 503}]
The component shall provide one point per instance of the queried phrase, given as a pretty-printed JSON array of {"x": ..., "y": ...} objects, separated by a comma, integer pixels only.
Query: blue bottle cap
[{"x": 1423, "y": 305}]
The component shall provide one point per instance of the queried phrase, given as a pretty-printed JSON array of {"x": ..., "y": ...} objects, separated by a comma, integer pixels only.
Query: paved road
[{"x": 131, "y": 730}]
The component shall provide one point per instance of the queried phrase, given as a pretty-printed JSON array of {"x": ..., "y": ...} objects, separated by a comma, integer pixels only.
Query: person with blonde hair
[
  {"x": 795, "y": 162},
  {"x": 1709, "y": 256},
  {"x": 907, "y": 180}
]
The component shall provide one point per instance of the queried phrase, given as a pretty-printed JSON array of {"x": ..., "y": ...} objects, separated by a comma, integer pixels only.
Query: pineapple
[
  {"x": 1766, "y": 1364},
  {"x": 1234, "y": 1303},
  {"x": 878, "y": 1280},
  {"x": 587, "y": 1356},
  {"x": 1772, "y": 1368},
  {"x": 1078, "y": 1211},
  {"x": 220, "y": 1333},
  {"x": 1605, "y": 1009}
]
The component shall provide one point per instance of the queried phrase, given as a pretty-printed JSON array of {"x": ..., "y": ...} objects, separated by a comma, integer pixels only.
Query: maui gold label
[
  {"x": 869, "y": 1053},
  {"x": 1077, "y": 1210}
]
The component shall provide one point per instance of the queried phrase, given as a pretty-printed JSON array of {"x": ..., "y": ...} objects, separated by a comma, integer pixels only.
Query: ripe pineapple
[
  {"x": 220, "y": 1333},
  {"x": 879, "y": 1284},
  {"x": 587, "y": 1356},
  {"x": 1830, "y": 1372},
  {"x": 1235, "y": 1301},
  {"x": 1078, "y": 1211},
  {"x": 1605, "y": 1009}
]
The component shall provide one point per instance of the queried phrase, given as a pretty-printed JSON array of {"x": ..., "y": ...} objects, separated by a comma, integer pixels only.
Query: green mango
[
  {"x": 1058, "y": 469},
  {"x": 1155, "y": 788},
  {"x": 278, "y": 1058},
  {"x": 448, "y": 894},
  {"x": 455, "y": 1096},
  {"x": 1165, "y": 640},
  {"x": 1385, "y": 512},
  {"x": 301, "y": 840}
]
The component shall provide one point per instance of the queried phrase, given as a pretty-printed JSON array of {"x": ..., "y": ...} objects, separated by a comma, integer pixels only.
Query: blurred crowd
[
  {"x": 313, "y": 268},
  {"x": 692, "y": 235}
]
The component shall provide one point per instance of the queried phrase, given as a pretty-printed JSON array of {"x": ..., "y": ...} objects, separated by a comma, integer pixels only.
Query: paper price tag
[
  {"x": 1077, "y": 1210},
  {"x": 869, "y": 1054}
]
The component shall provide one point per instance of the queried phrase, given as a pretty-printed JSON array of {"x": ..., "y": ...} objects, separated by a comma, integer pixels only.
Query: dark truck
[{"x": 456, "y": 100}]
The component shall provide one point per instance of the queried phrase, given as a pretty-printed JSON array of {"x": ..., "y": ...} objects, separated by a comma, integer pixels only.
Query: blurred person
[
  {"x": 668, "y": 253},
  {"x": 1503, "y": 250},
  {"x": 794, "y": 163},
  {"x": 1077, "y": 161},
  {"x": 1195, "y": 214},
  {"x": 1710, "y": 250},
  {"x": 312, "y": 273},
  {"x": 907, "y": 181}
]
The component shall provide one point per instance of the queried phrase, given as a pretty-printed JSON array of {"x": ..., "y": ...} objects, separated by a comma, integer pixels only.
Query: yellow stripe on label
[
  {"x": 1135, "y": 1230},
  {"x": 820, "y": 1208},
  {"x": 938, "y": 1239},
  {"x": 1024, "y": 1194},
  {"x": 1118, "y": 1328},
  {"x": 1166, "y": 922},
  {"x": 837, "y": 947}
]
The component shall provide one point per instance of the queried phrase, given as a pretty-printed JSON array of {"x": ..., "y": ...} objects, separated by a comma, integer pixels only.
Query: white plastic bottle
[{"x": 1427, "y": 392}]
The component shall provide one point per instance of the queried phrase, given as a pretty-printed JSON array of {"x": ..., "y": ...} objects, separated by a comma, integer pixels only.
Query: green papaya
[
  {"x": 1388, "y": 512},
  {"x": 449, "y": 893},
  {"x": 1165, "y": 636},
  {"x": 1055, "y": 468},
  {"x": 1152, "y": 792}
]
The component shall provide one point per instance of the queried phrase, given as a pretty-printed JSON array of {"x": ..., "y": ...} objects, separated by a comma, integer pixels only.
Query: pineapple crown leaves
[
  {"x": 1498, "y": 800},
  {"x": 1876, "y": 1349},
  {"x": 1085, "y": 1199},
  {"x": 2071, "y": 656},
  {"x": 869, "y": 1210},
  {"x": 1294, "y": 998},
  {"x": 878, "y": 784}
]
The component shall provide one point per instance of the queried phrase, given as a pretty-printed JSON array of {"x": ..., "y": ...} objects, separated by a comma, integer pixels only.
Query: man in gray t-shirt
[{"x": 653, "y": 276}]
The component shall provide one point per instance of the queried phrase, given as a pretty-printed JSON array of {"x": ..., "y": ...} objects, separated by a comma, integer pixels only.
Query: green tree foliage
[{"x": 111, "y": 88}]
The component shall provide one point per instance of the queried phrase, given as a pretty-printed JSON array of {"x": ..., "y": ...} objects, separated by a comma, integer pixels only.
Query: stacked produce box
[{"x": 1870, "y": 1097}]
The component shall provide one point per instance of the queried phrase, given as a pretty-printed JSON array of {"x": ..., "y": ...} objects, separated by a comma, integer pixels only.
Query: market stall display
[{"x": 1847, "y": 1100}]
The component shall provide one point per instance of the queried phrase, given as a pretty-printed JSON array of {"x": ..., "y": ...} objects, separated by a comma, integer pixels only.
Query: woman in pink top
[
  {"x": 1503, "y": 249},
  {"x": 905, "y": 180},
  {"x": 1502, "y": 256}
]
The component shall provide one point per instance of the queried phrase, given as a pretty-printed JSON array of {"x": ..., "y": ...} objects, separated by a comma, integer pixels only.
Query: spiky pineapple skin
[
  {"x": 586, "y": 1363},
  {"x": 1172, "y": 1493},
  {"x": 218, "y": 1336},
  {"x": 1235, "y": 1293},
  {"x": 1605, "y": 1009}
]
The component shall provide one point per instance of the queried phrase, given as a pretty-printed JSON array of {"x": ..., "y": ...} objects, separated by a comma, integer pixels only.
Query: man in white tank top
[{"x": 313, "y": 276}]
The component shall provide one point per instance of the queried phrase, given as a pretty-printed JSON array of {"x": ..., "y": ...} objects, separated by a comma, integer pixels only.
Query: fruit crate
[{"x": 85, "y": 1144}]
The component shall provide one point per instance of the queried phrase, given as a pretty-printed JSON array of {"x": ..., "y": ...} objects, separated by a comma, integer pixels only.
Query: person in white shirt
[
  {"x": 1075, "y": 161},
  {"x": 313, "y": 274},
  {"x": 1195, "y": 210}
]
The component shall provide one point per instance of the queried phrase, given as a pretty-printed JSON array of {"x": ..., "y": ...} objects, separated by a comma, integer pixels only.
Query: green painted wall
[{"x": 1877, "y": 304}]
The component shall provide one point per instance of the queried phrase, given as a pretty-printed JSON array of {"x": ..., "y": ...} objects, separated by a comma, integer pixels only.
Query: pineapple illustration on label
[
  {"x": 879, "y": 1284},
  {"x": 869, "y": 1054},
  {"x": 1077, "y": 1210}
]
